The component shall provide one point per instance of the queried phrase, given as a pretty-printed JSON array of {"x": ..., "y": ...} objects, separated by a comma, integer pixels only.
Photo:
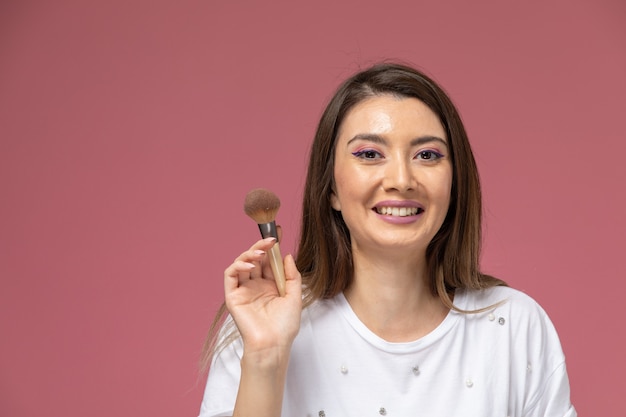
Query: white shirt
[{"x": 505, "y": 362}]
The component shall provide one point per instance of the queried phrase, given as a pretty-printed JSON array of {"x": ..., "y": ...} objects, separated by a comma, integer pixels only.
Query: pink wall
[{"x": 130, "y": 132}]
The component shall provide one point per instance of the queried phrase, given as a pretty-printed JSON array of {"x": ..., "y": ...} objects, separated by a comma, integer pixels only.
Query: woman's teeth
[{"x": 397, "y": 211}]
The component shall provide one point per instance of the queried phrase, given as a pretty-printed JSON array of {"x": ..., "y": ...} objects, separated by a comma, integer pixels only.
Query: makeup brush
[{"x": 262, "y": 205}]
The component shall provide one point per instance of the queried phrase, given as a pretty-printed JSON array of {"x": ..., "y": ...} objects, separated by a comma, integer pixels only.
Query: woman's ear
[{"x": 334, "y": 201}]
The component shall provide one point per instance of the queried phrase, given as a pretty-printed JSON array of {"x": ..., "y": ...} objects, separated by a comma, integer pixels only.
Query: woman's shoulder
[
  {"x": 500, "y": 297},
  {"x": 513, "y": 309},
  {"x": 323, "y": 308}
]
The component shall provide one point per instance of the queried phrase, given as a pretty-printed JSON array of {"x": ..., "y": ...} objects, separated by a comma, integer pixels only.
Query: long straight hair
[{"x": 324, "y": 255}]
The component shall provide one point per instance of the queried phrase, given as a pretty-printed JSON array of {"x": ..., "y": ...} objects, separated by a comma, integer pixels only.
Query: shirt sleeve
[
  {"x": 548, "y": 386},
  {"x": 554, "y": 400},
  {"x": 222, "y": 384}
]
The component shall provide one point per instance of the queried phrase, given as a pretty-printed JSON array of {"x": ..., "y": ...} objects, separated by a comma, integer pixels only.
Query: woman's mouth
[{"x": 399, "y": 211}]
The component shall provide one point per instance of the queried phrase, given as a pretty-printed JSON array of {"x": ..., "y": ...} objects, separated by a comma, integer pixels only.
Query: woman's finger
[
  {"x": 236, "y": 273},
  {"x": 293, "y": 277},
  {"x": 248, "y": 265},
  {"x": 257, "y": 271}
]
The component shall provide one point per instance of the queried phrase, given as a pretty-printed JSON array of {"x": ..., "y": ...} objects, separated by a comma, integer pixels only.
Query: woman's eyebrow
[
  {"x": 371, "y": 137},
  {"x": 425, "y": 139}
]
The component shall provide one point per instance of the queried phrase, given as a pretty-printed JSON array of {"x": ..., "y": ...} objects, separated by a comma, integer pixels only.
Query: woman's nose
[{"x": 399, "y": 176}]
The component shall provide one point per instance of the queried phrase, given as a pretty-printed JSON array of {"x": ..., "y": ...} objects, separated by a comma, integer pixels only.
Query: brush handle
[
  {"x": 276, "y": 259},
  {"x": 276, "y": 263}
]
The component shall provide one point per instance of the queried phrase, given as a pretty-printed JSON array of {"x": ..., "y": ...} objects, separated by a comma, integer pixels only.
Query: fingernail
[
  {"x": 259, "y": 252},
  {"x": 270, "y": 239},
  {"x": 249, "y": 264}
]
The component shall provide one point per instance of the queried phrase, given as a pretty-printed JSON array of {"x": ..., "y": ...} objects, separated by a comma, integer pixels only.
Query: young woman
[{"x": 386, "y": 311}]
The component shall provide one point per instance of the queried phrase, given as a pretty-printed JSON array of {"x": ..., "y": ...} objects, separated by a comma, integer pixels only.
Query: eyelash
[
  {"x": 363, "y": 154},
  {"x": 433, "y": 155}
]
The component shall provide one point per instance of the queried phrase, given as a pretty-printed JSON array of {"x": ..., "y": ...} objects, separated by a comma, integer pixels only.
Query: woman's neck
[{"x": 392, "y": 296}]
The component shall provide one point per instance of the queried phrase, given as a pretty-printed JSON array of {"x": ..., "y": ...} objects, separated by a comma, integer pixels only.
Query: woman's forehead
[{"x": 386, "y": 114}]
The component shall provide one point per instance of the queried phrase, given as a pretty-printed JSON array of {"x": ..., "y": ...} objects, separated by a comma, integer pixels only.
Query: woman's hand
[{"x": 266, "y": 321}]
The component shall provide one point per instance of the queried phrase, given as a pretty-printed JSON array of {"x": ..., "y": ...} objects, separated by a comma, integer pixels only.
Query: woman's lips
[{"x": 399, "y": 212}]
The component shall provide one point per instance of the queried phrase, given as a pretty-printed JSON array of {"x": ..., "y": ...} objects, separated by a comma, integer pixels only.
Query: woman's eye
[
  {"x": 367, "y": 154},
  {"x": 429, "y": 155}
]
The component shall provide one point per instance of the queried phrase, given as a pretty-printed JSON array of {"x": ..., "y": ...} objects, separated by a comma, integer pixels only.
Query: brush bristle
[{"x": 261, "y": 205}]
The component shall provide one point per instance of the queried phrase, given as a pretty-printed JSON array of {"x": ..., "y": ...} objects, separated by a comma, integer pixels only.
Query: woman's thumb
[{"x": 291, "y": 271}]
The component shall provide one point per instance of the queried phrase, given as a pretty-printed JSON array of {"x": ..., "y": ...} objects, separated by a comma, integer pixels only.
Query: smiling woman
[
  {"x": 392, "y": 178},
  {"x": 385, "y": 309}
]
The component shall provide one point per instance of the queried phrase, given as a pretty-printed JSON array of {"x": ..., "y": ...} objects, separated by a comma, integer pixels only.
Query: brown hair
[{"x": 324, "y": 255}]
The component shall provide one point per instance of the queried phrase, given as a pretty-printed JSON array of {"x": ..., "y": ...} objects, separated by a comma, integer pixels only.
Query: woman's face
[{"x": 393, "y": 174}]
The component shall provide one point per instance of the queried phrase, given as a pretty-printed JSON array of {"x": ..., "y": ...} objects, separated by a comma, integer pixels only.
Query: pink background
[{"x": 130, "y": 132}]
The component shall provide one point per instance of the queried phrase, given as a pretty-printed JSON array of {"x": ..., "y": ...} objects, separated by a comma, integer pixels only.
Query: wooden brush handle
[{"x": 276, "y": 263}]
